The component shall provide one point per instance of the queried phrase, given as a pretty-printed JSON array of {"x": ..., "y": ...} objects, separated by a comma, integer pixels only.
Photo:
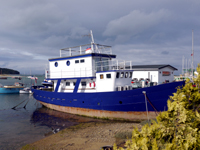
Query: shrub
[{"x": 176, "y": 128}]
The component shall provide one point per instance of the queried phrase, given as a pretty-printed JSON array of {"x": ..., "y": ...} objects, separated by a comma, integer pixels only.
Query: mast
[
  {"x": 92, "y": 42},
  {"x": 192, "y": 54},
  {"x": 183, "y": 66}
]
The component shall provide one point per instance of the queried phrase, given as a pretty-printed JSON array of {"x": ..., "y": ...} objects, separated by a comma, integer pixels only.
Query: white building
[{"x": 156, "y": 73}]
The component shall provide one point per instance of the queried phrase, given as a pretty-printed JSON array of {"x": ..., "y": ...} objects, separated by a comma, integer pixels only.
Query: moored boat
[
  {"x": 26, "y": 90},
  {"x": 92, "y": 83},
  {"x": 8, "y": 89}
]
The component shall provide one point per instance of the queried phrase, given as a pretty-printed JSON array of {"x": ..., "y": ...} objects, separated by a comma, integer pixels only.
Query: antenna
[{"x": 90, "y": 35}]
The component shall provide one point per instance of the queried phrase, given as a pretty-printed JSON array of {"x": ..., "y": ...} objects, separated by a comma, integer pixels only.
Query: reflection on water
[{"x": 20, "y": 126}]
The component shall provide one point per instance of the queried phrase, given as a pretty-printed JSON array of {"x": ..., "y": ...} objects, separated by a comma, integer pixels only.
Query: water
[{"x": 29, "y": 121}]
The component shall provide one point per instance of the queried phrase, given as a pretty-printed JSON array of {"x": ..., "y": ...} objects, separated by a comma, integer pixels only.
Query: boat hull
[
  {"x": 128, "y": 105},
  {"x": 9, "y": 90}
]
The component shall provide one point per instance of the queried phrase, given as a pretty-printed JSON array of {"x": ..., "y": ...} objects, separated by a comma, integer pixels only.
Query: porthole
[
  {"x": 120, "y": 102},
  {"x": 68, "y": 63},
  {"x": 56, "y": 64}
]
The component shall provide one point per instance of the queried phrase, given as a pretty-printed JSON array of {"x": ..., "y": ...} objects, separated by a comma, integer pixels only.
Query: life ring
[{"x": 94, "y": 84}]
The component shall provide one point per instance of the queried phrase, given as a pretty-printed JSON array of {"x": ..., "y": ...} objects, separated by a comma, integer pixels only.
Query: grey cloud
[
  {"x": 32, "y": 31},
  {"x": 165, "y": 52}
]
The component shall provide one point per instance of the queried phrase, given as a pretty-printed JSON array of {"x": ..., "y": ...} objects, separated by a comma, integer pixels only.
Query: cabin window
[
  {"x": 82, "y": 60},
  {"x": 74, "y": 83},
  {"x": 122, "y": 74},
  {"x": 130, "y": 75},
  {"x": 76, "y": 61},
  {"x": 117, "y": 75},
  {"x": 108, "y": 76},
  {"x": 56, "y": 64},
  {"x": 67, "y": 83},
  {"x": 126, "y": 75},
  {"x": 101, "y": 76},
  {"x": 68, "y": 63},
  {"x": 83, "y": 83}
]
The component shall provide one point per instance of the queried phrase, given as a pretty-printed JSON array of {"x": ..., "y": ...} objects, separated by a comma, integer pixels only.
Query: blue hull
[
  {"x": 122, "y": 101},
  {"x": 9, "y": 90}
]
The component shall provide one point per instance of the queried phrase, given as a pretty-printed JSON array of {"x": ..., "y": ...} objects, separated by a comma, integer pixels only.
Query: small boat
[
  {"x": 26, "y": 90},
  {"x": 91, "y": 82},
  {"x": 3, "y": 77},
  {"x": 17, "y": 77},
  {"x": 47, "y": 83},
  {"x": 11, "y": 88}
]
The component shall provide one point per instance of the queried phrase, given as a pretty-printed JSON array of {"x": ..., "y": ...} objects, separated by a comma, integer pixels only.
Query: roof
[
  {"x": 83, "y": 55},
  {"x": 152, "y": 67}
]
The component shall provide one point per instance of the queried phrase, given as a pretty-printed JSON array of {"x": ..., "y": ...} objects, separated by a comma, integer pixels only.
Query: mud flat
[{"x": 86, "y": 136}]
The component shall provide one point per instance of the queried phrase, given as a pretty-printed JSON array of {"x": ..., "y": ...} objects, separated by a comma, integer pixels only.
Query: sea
[{"x": 23, "y": 120}]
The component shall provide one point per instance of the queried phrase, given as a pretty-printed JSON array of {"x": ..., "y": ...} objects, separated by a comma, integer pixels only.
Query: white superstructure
[{"x": 93, "y": 66}]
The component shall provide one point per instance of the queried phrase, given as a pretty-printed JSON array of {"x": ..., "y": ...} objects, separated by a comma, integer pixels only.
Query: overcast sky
[{"x": 143, "y": 31}]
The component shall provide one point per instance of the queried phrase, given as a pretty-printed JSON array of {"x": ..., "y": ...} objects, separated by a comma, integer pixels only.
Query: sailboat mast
[{"x": 192, "y": 55}]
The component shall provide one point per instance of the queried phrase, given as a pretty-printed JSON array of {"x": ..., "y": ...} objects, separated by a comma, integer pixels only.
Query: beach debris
[{"x": 108, "y": 147}]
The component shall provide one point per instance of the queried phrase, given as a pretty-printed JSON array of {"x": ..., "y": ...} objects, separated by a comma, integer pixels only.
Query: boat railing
[
  {"x": 113, "y": 65},
  {"x": 84, "y": 49},
  {"x": 75, "y": 73}
]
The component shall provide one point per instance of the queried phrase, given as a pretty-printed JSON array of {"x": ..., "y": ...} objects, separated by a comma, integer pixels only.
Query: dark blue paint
[
  {"x": 84, "y": 55},
  {"x": 57, "y": 85},
  {"x": 132, "y": 100},
  {"x": 77, "y": 85}
]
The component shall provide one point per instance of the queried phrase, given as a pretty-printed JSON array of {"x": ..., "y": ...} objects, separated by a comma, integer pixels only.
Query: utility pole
[{"x": 192, "y": 55}]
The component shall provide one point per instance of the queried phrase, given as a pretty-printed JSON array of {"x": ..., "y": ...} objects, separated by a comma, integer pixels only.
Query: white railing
[
  {"x": 113, "y": 65},
  {"x": 81, "y": 72},
  {"x": 88, "y": 48}
]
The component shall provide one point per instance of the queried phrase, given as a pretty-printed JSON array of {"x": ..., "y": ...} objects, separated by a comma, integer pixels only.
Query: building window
[
  {"x": 130, "y": 74},
  {"x": 83, "y": 83},
  {"x": 122, "y": 74},
  {"x": 126, "y": 75},
  {"x": 56, "y": 64},
  {"x": 117, "y": 75},
  {"x": 82, "y": 60},
  {"x": 101, "y": 76},
  {"x": 67, "y": 83},
  {"x": 76, "y": 61},
  {"x": 108, "y": 76},
  {"x": 68, "y": 63}
]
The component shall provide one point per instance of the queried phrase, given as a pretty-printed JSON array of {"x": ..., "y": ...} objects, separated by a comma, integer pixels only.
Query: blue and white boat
[
  {"x": 11, "y": 89},
  {"x": 88, "y": 80}
]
